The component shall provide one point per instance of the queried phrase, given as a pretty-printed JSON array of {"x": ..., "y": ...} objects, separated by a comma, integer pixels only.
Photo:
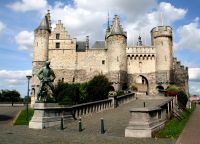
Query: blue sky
[{"x": 19, "y": 18}]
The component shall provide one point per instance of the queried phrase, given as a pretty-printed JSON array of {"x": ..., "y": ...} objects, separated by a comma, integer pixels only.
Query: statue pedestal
[{"x": 49, "y": 114}]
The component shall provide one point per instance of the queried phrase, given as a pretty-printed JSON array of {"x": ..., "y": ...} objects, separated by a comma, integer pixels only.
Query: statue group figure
[{"x": 46, "y": 76}]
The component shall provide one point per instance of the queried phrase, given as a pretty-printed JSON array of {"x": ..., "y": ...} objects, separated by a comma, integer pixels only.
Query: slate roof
[
  {"x": 116, "y": 27},
  {"x": 99, "y": 44},
  {"x": 80, "y": 46},
  {"x": 44, "y": 25}
]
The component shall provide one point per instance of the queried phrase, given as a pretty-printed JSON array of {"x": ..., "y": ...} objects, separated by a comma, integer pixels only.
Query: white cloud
[
  {"x": 164, "y": 14},
  {"x": 170, "y": 13},
  {"x": 194, "y": 74},
  {"x": 194, "y": 88},
  {"x": 86, "y": 18},
  {"x": 189, "y": 36},
  {"x": 25, "y": 40},
  {"x": 28, "y": 5},
  {"x": 17, "y": 74},
  {"x": 14, "y": 79},
  {"x": 2, "y": 27}
]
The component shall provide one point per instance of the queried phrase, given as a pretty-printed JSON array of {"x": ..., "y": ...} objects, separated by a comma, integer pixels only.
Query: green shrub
[
  {"x": 182, "y": 98},
  {"x": 172, "y": 90},
  {"x": 98, "y": 88},
  {"x": 71, "y": 94},
  {"x": 67, "y": 94},
  {"x": 120, "y": 92}
]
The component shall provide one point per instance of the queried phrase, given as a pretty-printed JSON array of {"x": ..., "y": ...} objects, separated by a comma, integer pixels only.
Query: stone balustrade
[
  {"x": 90, "y": 107},
  {"x": 97, "y": 106},
  {"x": 125, "y": 98},
  {"x": 50, "y": 114}
]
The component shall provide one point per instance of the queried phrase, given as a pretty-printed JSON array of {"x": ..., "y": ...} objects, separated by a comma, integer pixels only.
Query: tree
[
  {"x": 174, "y": 90},
  {"x": 67, "y": 94},
  {"x": 182, "y": 98},
  {"x": 76, "y": 93},
  {"x": 98, "y": 88},
  {"x": 10, "y": 96}
]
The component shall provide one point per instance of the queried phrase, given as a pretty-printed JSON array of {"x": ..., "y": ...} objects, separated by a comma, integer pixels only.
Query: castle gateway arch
[{"x": 142, "y": 84}]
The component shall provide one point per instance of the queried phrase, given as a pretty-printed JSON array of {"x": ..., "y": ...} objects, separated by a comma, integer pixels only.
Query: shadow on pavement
[{"x": 5, "y": 118}]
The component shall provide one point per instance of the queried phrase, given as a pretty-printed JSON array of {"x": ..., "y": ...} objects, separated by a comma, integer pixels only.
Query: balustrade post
[{"x": 114, "y": 101}]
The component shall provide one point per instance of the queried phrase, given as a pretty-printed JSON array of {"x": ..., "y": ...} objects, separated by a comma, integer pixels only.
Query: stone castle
[{"x": 149, "y": 68}]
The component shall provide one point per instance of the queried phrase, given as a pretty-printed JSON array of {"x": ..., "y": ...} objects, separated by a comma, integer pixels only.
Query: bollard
[
  {"x": 144, "y": 104},
  {"x": 80, "y": 125},
  {"x": 102, "y": 126},
  {"x": 61, "y": 123}
]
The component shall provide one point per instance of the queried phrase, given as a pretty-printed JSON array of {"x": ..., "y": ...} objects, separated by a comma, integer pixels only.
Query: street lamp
[{"x": 28, "y": 77}]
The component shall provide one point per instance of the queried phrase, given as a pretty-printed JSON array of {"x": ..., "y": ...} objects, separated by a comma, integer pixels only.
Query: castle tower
[
  {"x": 116, "y": 42},
  {"x": 40, "y": 52},
  {"x": 162, "y": 41}
]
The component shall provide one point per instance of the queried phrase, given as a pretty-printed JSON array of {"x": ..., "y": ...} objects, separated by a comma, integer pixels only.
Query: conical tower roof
[
  {"x": 44, "y": 25},
  {"x": 116, "y": 28}
]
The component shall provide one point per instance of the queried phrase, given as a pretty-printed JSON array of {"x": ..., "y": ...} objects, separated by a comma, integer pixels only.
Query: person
[{"x": 46, "y": 76}]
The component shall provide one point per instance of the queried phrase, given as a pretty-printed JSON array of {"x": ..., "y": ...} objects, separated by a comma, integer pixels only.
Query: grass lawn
[
  {"x": 174, "y": 127},
  {"x": 21, "y": 119}
]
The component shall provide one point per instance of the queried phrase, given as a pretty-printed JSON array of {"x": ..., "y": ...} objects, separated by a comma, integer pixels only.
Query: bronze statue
[{"x": 46, "y": 76}]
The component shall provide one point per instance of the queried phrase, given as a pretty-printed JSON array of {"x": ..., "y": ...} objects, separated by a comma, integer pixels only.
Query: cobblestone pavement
[
  {"x": 115, "y": 120},
  {"x": 190, "y": 134}
]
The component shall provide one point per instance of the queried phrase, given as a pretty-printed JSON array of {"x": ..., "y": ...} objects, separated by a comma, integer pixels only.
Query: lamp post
[{"x": 28, "y": 77}]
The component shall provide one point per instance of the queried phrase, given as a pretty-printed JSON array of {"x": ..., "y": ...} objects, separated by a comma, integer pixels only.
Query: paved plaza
[{"x": 115, "y": 120}]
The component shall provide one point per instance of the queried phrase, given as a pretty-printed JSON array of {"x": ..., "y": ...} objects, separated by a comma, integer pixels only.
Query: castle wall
[
  {"x": 72, "y": 66},
  {"x": 141, "y": 59},
  {"x": 180, "y": 75}
]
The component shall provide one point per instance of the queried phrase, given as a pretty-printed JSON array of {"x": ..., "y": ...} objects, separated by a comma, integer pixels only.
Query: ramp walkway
[{"x": 191, "y": 133}]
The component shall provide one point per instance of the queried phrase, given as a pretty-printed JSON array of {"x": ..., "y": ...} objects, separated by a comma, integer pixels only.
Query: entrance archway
[
  {"x": 160, "y": 90},
  {"x": 111, "y": 88},
  {"x": 142, "y": 84}
]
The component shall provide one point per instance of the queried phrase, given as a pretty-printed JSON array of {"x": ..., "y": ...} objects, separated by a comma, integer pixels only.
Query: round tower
[
  {"x": 116, "y": 42},
  {"x": 162, "y": 41},
  {"x": 40, "y": 52}
]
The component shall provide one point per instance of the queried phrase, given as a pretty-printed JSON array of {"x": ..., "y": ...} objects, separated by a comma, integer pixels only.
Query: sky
[{"x": 19, "y": 19}]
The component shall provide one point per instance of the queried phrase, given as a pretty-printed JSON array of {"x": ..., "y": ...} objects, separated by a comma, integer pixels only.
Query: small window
[
  {"x": 57, "y": 45},
  {"x": 62, "y": 79},
  {"x": 73, "y": 79},
  {"x": 58, "y": 36},
  {"x": 103, "y": 62}
]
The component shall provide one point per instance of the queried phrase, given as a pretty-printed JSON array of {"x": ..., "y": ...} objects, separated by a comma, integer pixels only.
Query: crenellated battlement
[
  {"x": 161, "y": 31},
  {"x": 140, "y": 50}
]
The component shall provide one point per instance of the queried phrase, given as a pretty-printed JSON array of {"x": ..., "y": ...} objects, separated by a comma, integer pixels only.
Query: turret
[
  {"x": 40, "y": 54},
  {"x": 41, "y": 41},
  {"x": 116, "y": 42},
  {"x": 162, "y": 41}
]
